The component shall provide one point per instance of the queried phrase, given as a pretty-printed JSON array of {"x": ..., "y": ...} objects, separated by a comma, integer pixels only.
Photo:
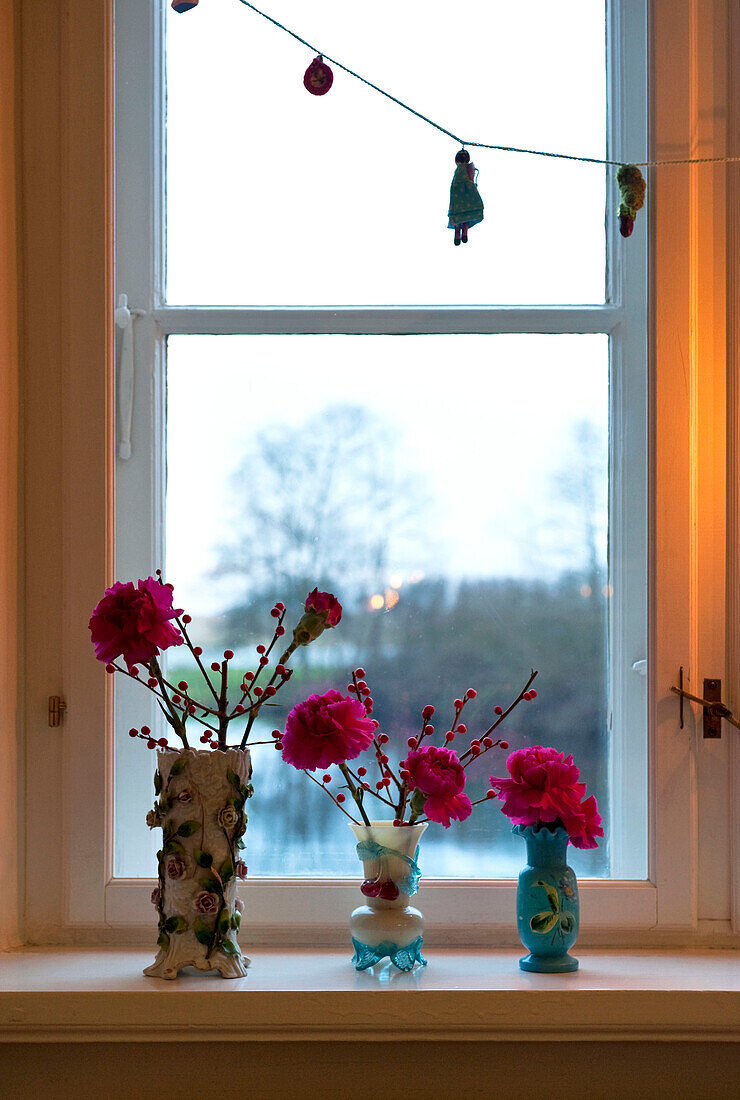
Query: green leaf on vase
[
  {"x": 188, "y": 828},
  {"x": 229, "y": 948},
  {"x": 247, "y": 791},
  {"x": 203, "y": 859},
  {"x": 226, "y": 870},
  {"x": 239, "y": 843},
  {"x": 203, "y": 933},
  {"x": 210, "y": 883},
  {"x": 543, "y": 922},
  {"x": 233, "y": 778},
  {"x": 163, "y": 941},
  {"x": 178, "y": 767},
  {"x": 176, "y": 924},
  {"x": 223, "y": 921},
  {"x": 157, "y": 782},
  {"x": 567, "y": 922},
  {"x": 236, "y": 919},
  {"x": 174, "y": 848}
]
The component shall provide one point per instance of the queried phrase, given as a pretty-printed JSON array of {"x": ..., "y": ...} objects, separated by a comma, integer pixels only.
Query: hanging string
[{"x": 481, "y": 144}]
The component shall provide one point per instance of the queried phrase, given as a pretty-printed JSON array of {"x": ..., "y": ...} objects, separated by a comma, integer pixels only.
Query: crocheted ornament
[
  {"x": 466, "y": 205},
  {"x": 184, "y": 5},
  {"x": 632, "y": 191},
  {"x": 318, "y": 77}
]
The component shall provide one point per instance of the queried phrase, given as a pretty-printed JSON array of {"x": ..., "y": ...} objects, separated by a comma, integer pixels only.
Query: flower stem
[{"x": 355, "y": 793}]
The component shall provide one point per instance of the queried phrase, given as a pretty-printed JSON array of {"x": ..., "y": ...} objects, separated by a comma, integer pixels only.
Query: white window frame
[{"x": 688, "y": 575}]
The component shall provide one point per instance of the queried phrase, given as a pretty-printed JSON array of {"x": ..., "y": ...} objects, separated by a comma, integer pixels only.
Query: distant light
[
  {"x": 585, "y": 591},
  {"x": 607, "y": 591},
  {"x": 416, "y": 577},
  {"x": 391, "y": 598},
  {"x": 396, "y": 580},
  {"x": 376, "y": 601}
]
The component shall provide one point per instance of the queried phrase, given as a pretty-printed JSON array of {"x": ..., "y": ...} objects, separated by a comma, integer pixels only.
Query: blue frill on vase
[
  {"x": 405, "y": 958},
  {"x": 547, "y": 902}
]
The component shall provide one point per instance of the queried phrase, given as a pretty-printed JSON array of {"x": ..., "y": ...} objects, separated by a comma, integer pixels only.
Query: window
[{"x": 679, "y": 564}]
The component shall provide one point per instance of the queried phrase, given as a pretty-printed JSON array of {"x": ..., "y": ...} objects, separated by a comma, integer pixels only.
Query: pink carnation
[
  {"x": 134, "y": 622},
  {"x": 544, "y": 788},
  {"x": 326, "y": 729},
  {"x": 439, "y": 775},
  {"x": 324, "y": 602}
]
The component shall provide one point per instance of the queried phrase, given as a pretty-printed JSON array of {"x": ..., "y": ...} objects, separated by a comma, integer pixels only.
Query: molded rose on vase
[
  {"x": 326, "y": 729},
  {"x": 155, "y": 896},
  {"x": 239, "y": 905},
  {"x": 133, "y": 622},
  {"x": 228, "y": 817},
  {"x": 240, "y": 868},
  {"x": 207, "y": 903},
  {"x": 439, "y": 778},
  {"x": 153, "y": 819},
  {"x": 175, "y": 867},
  {"x": 185, "y": 796}
]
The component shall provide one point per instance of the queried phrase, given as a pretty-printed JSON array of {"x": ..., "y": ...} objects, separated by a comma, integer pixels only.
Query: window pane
[
  {"x": 278, "y": 197},
  {"x": 461, "y": 480}
]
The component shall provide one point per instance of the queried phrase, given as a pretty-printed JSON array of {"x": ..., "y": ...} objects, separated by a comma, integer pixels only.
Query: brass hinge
[{"x": 57, "y": 707}]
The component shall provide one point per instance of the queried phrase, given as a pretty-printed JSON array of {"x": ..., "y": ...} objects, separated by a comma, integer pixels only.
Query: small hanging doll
[
  {"x": 632, "y": 192},
  {"x": 184, "y": 5},
  {"x": 466, "y": 205},
  {"x": 318, "y": 77}
]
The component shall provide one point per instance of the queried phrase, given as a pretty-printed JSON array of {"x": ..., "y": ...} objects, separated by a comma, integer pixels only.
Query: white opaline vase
[
  {"x": 386, "y": 926},
  {"x": 200, "y": 807}
]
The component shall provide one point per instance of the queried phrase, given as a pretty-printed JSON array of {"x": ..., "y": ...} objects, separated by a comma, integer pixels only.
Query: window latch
[
  {"x": 714, "y": 709},
  {"x": 57, "y": 707},
  {"x": 124, "y": 318}
]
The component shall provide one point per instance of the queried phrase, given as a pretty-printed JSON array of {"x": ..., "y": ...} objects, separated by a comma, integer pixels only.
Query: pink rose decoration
[
  {"x": 544, "y": 788},
  {"x": 326, "y": 729},
  {"x": 439, "y": 775},
  {"x": 325, "y": 604},
  {"x": 240, "y": 868},
  {"x": 185, "y": 796},
  {"x": 155, "y": 896},
  {"x": 133, "y": 622},
  {"x": 206, "y": 902},
  {"x": 239, "y": 905},
  {"x": 175, "y": 867}
]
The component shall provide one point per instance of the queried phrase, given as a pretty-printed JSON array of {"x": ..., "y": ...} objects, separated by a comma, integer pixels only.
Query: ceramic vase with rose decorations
[
  {"x": 387, "y": 926},
  {"x": 200, "y": 807}
]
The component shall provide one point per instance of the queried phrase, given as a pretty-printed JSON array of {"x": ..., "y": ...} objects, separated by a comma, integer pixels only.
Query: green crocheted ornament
[{"x": 632, "y": 192}]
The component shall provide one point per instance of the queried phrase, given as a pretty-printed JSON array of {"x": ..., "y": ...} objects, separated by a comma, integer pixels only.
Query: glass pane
[
  {"x": 275, "y": 196},
  {"x": 457, "y": 482}
]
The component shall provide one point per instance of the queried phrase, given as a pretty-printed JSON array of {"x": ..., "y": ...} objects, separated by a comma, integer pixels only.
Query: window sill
[{"x": 100, "y": 995}]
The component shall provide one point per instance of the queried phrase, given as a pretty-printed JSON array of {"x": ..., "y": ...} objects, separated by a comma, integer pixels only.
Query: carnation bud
[
  {"x": 428, "y": 711},
  {"x": 471, "y": 693},
  {"x": 449, "y": 736},
  {"x": 490, "y": 794},
  {"x": 428, "y": 730},
  {"x": 359, "y": 672},
  {"x": 462, "y": 728},
  {"x": 458, "y": 704},
  {"x": 362, "y": 685},
  {"x": 383, "y": 739}
]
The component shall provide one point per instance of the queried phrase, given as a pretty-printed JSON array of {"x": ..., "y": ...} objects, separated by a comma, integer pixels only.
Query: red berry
[
  {"x": 379, "y": 784},
  {"x": 249, "y": 676},
  {"x": 532, "y": 693},
  {"x": 258, "y": 691},
  {"x": 488, "y": 742},
  {"x": 204, "y": 738},
  {"x": 396, "y": 821},
  {"x": 387, "y": 781},
  {"x": 280, "y": 605},
  {"x": 368, "y": 702},
  {"x": 215, "y": 666},
  {"x": 340, "y": 798},
  {"x": 359, "y": 672},
  {"x": 133, "y": 733},
  {"x": 183, "y": 685},
  {"x": 504, "y": 744},
  {"x": 361, "y": 685},
  {"x": 411, "y": 742},
  {"x": 152, "y": 681},
  {"x": 404, "y": 774},
  {"x": 197, "y": 650},
  {"x": 275, "y": 613},
  {"x": 260, "y": 649},
  {"x": 176, "y": 698},
  {"x": 366, "y": 786},
  {"x": 163, "y": 742},
  {"x": 362, "y": 771},
  {"x": 475, "y": 750},
  {"x": 351, "y": 689},
  {"x": 497, "y": 710},
  {"x": 111, "y": 668},
  {"x": 279, "y": 746},
  {"x": 326, "y": 778},
  {"x": 276, "y": 733},
  {"x": 449, "y": 736},
  {"x": 383, "y": 739},
  {"x": 151, "y": 743},
  {"x": 383, "y": 759},
  {"x": 376, "y": 723},
  {"x": 280, "y": 669},
  {"x": 462, "y": 728},
  {"x": 263, "y": 661},
  {"x": 239, "y": 708},
  {"x": 471, "y": 693},
  {"x": 279, "y": 630},
  {"x": 270, "y": 689},
  {"x": 427, "y": 712},
  {"x": 146, "y": 730},
  {"x": 191, "y": 708},
  {"x": 490, "y": 794},
  {"x": 170, "y": 586},
  {"x": 429, "y": 730},
  {"x": 186, "y": 619},
  {"x": 228, "y": 654},
  {"x": 134, "y": 671}
]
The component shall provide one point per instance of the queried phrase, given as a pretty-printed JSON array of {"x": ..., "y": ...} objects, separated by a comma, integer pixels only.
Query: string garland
[{"x": 466, "y": 205}]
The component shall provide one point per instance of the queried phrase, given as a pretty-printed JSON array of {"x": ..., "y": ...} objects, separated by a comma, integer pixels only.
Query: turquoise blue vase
[{"x": 547, "y": 902}]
